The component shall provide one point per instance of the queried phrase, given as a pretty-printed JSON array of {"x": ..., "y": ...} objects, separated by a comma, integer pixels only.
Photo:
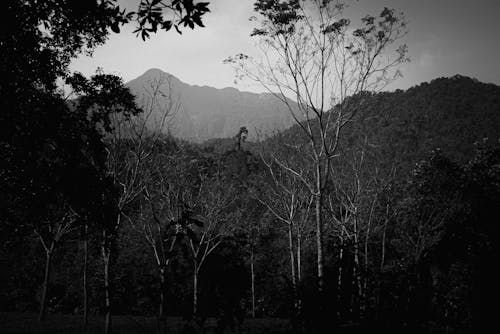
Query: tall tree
[
  {"x": 286, "y": 198},
  {"x": 104, "y": 100},
  {"x": 311, "y": 52},
  {"x": 213, "y": 203}
]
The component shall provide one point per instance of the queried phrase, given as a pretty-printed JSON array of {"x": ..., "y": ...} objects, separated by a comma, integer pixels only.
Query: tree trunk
[
  {"x": 322, "y": 319},
  {"x": 356, "y": 270},
  {"x": 106, "y": 257},
  {"x": 252, "y": 273},
  {"x": 161, "y": 311},
  {"x": 319, "y": 239},
  {"x": 299, "y": 271},
  {"x": 339, "y": 277},
  {"x": 382, "y": 257},
  {"x": 292, "y": 257},
  {"x": 382, "y": 260},
  {"x": 365, "y": 278},
  {"x": 299, "y": 256},
  {"x": 195, "y": 289},
  {"x": 292, "y": 265},
  {"x": 85, "y": 283},
  {"x": 43, "y": 300}
]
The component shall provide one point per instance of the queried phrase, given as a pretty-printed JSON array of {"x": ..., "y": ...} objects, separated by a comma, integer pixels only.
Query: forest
[{"x": 375, "y": 214}]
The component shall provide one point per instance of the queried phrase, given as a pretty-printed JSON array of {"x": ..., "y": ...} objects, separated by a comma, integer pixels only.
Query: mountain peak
[
  {"x": 153, "y": 74},
  {"x": 206, "y": 112},
  {"x": 153, "y": 71}
]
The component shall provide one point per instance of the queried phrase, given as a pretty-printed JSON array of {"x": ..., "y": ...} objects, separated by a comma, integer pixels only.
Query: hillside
[
  {"x": 404, "y": 126},
  {"x": 207, "y": 112}
]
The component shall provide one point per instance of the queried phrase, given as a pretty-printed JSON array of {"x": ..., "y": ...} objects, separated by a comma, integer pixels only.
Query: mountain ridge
[
  {"x": 447, "y": 112},
  {"x": 207, "y": 112}
]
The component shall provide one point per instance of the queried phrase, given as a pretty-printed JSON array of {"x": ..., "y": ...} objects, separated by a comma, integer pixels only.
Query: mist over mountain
[{"x": 206, "y": 112}]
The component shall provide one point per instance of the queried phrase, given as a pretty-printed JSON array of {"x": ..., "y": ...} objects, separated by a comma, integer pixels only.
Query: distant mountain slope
[
  {"x": 404, "y": 126},
  {"x": 447, "y": 113},
  {"x": 207, "y": 112}
]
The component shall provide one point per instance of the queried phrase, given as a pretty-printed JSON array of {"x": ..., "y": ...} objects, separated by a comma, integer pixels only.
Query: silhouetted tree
[{"x": 311, "y": 53}]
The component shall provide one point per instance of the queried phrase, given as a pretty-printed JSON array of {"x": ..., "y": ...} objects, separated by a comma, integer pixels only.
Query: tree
[
  {"x": 38, "y": 46},
  {"x": 286, "y": 198},
  {"x": 212, "y": 202},
  {"x": 50, "y": 232},
  {"x": 105, "y": 101},
  {"x": 158, "y": 217},
  {"x": 311, "y": 53},
  {"x": 41, "y": 152},
  {"x": 164, "y": 218},
  {"x": 149, "y": 15},
  {"x": 444, "y": 239}
]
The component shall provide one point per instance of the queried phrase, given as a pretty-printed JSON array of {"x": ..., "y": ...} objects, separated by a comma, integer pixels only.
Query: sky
[{"x": 445, "y": 37}]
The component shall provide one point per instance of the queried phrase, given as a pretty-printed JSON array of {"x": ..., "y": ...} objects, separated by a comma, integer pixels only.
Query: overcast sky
[{"x": 445, "y": 37}]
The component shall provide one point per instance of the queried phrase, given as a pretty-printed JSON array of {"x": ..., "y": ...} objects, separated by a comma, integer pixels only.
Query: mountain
[
  {"x": 206, "y": 112},
  {"x": 402, "y": 127},
  {"x": 450, "y": 114}
]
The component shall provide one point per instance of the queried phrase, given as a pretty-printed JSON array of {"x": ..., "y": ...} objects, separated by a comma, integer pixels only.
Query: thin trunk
[
  {"x": 43, "y": 300},
  {"x": 321, "y": 318},
  {"x": 161, "y": 311},
  {"x": 252, "y": 273},
  {"x": 299, "y": 256},
  {"x": 299, "y": 274},
  {"x": 195, "y": 289},
  {"x": 85, "y": 283},
  {"x": 319, "y": 240},
  {"x": 292, "y": 257},
  {"x": 106, "y": 257},
  {"x": 356, "y": 271},
  {"x": 367, "y": 238},
  {"x": 292, "y": 265},
  {"x": 382, "y": 261},
  {"x": 382, "y": 258},
  {"x": 339, "y": 278}
]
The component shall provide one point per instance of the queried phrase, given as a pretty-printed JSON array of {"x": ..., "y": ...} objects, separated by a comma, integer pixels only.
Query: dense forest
[
  {"x": 103, "y": 213},
  {"x": 215, "y": 228}
]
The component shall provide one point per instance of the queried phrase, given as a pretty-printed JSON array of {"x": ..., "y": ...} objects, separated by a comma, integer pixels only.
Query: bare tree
[
  {"x": 131, "y": 146},
  {"x": 286, "y": 198},
  {"x": 160, "y": 105},
  {"x": 159, "y": 219},
  {"x": 311, "y": 53},
  {"x": 212, "y": 203},
  {"x": 50, "y": 234},
  {"x": 125, "y": 163}
]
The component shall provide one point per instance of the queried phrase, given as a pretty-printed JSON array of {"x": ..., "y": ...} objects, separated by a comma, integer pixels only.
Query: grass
[{"x": 121, "y": 324}]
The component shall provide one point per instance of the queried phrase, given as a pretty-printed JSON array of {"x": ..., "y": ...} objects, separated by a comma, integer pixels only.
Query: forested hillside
[
  {"x": 398, "y": 216},
  {"x": 404, "y": 126}
]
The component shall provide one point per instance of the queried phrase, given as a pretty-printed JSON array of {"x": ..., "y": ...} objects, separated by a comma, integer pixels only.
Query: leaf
[
  {"x": 115, "y": 27},
  {"x": 166, "y": 25},
  {"x": 198, "y": 21}
]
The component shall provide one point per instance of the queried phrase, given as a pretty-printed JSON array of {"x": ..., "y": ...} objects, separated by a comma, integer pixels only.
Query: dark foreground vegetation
[
  {"x": 131, "y": 324},
  {"x": 107, "y": 221}
]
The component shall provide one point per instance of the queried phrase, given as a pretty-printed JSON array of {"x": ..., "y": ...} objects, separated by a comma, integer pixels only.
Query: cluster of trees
[
  {"x": 101, "y": 211},
  {"x": 56, "y": 173}
]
